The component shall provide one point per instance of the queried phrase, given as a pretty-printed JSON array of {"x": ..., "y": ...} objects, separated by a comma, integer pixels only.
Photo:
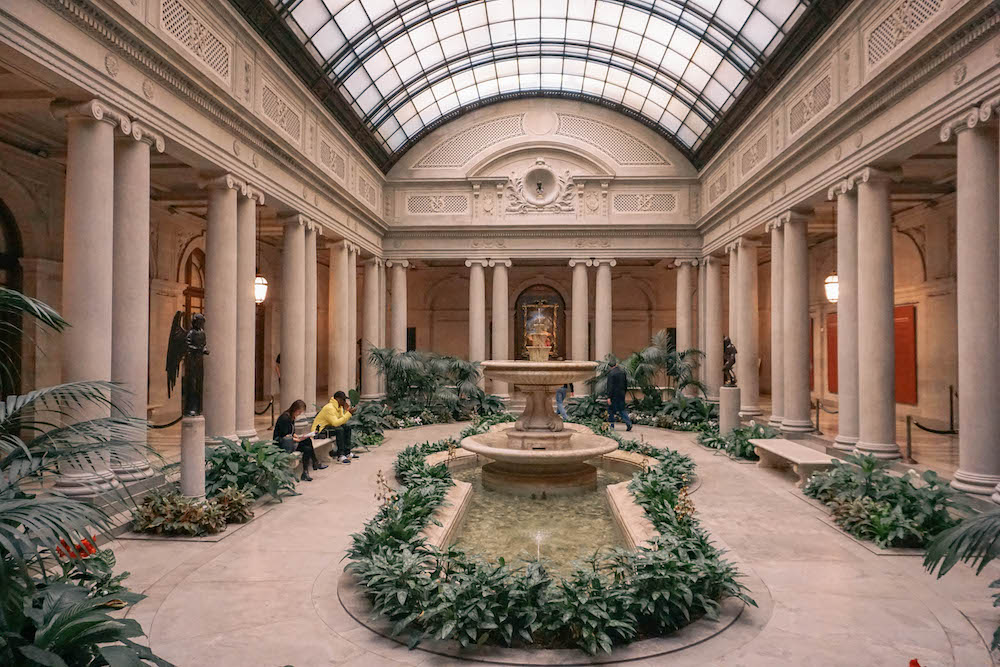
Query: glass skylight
[{"x": 403, "y": 64}]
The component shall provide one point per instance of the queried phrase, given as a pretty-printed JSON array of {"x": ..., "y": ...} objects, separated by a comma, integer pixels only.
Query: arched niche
[{"x": 543, "y": 304}]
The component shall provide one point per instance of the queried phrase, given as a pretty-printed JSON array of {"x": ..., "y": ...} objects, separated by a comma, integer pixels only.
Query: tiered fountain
[{"x": 539, "y": 455}]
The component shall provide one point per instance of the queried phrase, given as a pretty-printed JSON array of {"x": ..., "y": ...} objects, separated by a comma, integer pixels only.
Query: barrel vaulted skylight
[{"x": 402, "y": 65}]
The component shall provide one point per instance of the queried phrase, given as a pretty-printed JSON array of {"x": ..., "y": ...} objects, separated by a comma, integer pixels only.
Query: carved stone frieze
[{"x": 540, "y": 190}]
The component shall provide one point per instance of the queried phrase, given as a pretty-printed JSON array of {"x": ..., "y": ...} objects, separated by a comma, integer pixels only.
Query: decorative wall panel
[
  {"x": 620, "y": 145},
  {"x": 331, "y": 158},
  {"x": 367, "y": 190},
  {"x": 462, "y": 147},
  {"x": 184, "y": 25},
  {"x": 892, "y": 30},
  {"x": 277, "y": 109},
  {"x": 755, "y": 155},
  {"x": 645, "y": 202},
  {"x": 815, "y": 100},
  {"x": 719, "y": 186},
  {"x": 437, "y": 204}
]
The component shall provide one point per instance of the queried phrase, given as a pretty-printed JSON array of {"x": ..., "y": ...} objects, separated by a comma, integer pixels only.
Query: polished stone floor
[{"x": 266, "y": 594}]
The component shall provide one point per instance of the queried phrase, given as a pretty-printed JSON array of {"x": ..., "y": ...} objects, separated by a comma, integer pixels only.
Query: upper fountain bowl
[{"x": 539, "y": 373}]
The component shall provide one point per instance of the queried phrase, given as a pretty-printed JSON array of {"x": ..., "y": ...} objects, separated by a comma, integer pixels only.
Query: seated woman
[{"x": 284, "y": 435}]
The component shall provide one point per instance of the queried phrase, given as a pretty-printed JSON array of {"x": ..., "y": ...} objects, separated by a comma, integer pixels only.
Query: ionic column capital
[
  {"x": 966, "y": 120},
  {"x": 709, "y": 260},
  {"x": 92, "y": 109},
  {"x": 773, "y": 224},
  {"x": 791, "y": 218},
  {"x": 477, "y": 262},
  {"x": 582, "y": 262},
  {"x": 686, "y": 261},
  {"x": 377, "y": 262},
  {"x": 147, "y": 135},
  {"x": 223, "y": 182},
  {"x": 841, "y": 188},
  {"x": 293, "y": 220},
  {"x": 875, "y": 175},
  {"x": 253, "y": 192},
  {"x": 598, "y": 262},
  {"x": 744, "y": 242},
  {"x": 405, "y": 263},
  {"x": 500, "y": 262}
]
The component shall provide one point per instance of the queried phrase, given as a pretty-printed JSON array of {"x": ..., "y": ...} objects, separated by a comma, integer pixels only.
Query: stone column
[
  {"x": 220, "y": 308},
  {"x": 699, "y": 339},
  {"x": 876, "y": 317},
  {"x": 795, "y": 324},
  {"x": 351, "y": 348},
  {"x": 684, "y": 270},
  {"x": 580, "y": 347},
  {"x": 310, "y": 298},
  {"x": 383, "y": 308},
  {"x": 246, "y": 311},
  {"x": 501, "y": 318},
  {"x": 370, "y": 322},
  {"x": 847, "y": 316},
  {"x": 130, "y": 299},
  {"x": 397, "y": 322},
  {"x": 777, "y": 323},
  {"x": 341, "y": 346},
  {"x": 602, "y": 308},
  {"x": 477, "y": 309},
  {"x": 748, "y": 321},
  {"x": 978, "y": 246},
  {"x": 713, "y": 327},
  {"x": 293, "y": 311},
  {"x": 734, "y": 300}
]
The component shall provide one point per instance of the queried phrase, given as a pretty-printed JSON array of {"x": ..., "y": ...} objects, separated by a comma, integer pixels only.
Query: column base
[
  {"x": 845, "y": 443},
  {"x": 880, "y": 450},
  {"x": 797, "y": 425},
  {"x": 711, "y": 399},
  {"x": 77, "y": 483},
  {"x": 775, "y": 421},
  {"x": 750, "y": 411},
  {"x": 246, "y": 433},
  {"x": 977, "y": 483},
  {"x": 132, "y": 470}
]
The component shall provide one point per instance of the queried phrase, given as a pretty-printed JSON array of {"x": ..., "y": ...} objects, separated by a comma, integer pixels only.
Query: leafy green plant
[
  {"x": 236, "y": 505},
  {"x": 483, "y": 423},
  {"x": 54, "y": 613},
  {"x": 892, "y": 511},
  {"x": 586, "y": 408},
  {"x": 737, "y": 443},
  {"x": 170, "y": 513},
  {"x": 255, "y": 467},
  {"x": 367, "y": 418}
]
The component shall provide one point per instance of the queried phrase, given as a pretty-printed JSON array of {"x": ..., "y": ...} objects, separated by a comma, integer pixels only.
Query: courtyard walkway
[{"x": 266, "y": 593}]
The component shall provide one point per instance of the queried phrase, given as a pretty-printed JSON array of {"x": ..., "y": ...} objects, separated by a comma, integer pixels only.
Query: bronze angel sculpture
[
  {"x": 728, "y": 361},
  {"x": 189, "y": 346}
]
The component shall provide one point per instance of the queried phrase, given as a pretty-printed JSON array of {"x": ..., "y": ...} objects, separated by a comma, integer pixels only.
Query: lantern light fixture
[{"x": 832, "y": 287}]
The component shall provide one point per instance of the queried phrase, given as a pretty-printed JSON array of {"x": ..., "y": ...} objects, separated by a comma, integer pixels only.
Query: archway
[
  {"x": 544, "y": 302},
  {"x": 10, "y": 277}
]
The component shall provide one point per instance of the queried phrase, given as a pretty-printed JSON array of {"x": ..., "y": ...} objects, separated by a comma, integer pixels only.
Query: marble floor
[{"x": 266, "y": 594}]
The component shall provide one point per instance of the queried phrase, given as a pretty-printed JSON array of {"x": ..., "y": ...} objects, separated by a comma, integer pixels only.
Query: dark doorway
[{"x": 10, "y": 277}]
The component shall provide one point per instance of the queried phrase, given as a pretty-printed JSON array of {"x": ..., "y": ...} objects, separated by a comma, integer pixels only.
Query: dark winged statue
[
  {"x": 728, "y": 361},
  {"x": 189, "y": 346}
]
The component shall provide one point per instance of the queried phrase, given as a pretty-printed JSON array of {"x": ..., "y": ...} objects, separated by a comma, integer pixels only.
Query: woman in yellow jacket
[{"x": 331, "y": 422}]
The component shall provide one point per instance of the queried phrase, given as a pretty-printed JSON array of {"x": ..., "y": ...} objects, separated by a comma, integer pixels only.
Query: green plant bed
[
  {"x": 255, "y": 467},
  {"x": 891, "y": 511},
  {"x": 616, "y": 598},
  {"x": 737, "y": 444},
  {"x": 169, "y": 513}
]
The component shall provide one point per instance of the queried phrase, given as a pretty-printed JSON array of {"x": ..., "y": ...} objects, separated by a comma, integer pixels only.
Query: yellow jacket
[{"x": 330, "y": 415}]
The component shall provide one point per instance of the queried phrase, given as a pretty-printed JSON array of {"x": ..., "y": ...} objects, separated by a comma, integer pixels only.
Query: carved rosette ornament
[{"x": 540, "y": 190}]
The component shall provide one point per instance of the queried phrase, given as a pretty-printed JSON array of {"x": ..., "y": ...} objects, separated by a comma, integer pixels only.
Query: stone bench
[
  {"x": 322, "y": 446},
  {"x": 784, "y": 454}
]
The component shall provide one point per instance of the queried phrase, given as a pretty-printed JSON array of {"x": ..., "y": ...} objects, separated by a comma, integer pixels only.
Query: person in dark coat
[
  {"x": 617, "y": 384},
  {"x": 284, "y": 436}
]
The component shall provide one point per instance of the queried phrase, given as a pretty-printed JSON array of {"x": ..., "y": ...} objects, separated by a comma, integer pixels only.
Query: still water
[{"x": 560, "y": 530}]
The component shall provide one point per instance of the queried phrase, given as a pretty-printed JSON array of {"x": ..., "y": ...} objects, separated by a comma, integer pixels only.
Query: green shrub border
[{"x": 614, "y": 599}]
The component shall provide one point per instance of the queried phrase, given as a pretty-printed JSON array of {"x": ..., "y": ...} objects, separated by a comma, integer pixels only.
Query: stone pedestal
[
  {"x": 193, "y": 457},
  {"x": 729, "y": 409}
]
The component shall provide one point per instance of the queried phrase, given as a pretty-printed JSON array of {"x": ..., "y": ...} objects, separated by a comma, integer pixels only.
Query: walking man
[{"x": 617, "y": 384}]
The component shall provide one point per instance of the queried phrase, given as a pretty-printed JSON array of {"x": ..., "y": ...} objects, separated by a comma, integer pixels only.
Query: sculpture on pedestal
[
  {"x": 191, "y": 347},
  {"x": 728, "y": 361}
]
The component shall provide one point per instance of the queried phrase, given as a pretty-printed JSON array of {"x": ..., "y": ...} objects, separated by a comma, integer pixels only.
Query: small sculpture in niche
[
  {"x": 191, "y": 347},
  {"x": 728, "y": 361}
]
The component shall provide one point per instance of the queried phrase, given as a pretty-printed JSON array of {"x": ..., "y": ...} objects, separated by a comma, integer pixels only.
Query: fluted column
[
  {"x": 87, "y": 279},
  {"x": 130, "y": 299},
  {"x": 847, "y": 316},
  {"x": 397, "y": 325},
  {"x": 777, "y": 323},
  {"x": 734, "y": 300},
  {"x": 341, "y": 351},
  {"x": 370, "y": 322},
  {"x": 580, "y": 348},
  {"x": 603, "y": 312},
  {"x": 685, "y": 269},
  {"x": 477, "y": 309},
  {"x": 310, "y": 297},
  {"x": 748, "y": 321},
  {"x": 713, "y": 327},
  {"x": 293, "y": 311},
  {"x": 501, "y": 317},
  {"x": 795, "y": 325},
  {"x": 351, "y": 347},
  {"x": 220, "y": 307},
  {"x": 876, "y": 317},
  {"x": 978, "y": 249},
  {"x": 246, "y": 310}
]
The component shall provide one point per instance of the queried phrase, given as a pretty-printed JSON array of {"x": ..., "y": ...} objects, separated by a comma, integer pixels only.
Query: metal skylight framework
[{"x": 403, "y": 65}]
